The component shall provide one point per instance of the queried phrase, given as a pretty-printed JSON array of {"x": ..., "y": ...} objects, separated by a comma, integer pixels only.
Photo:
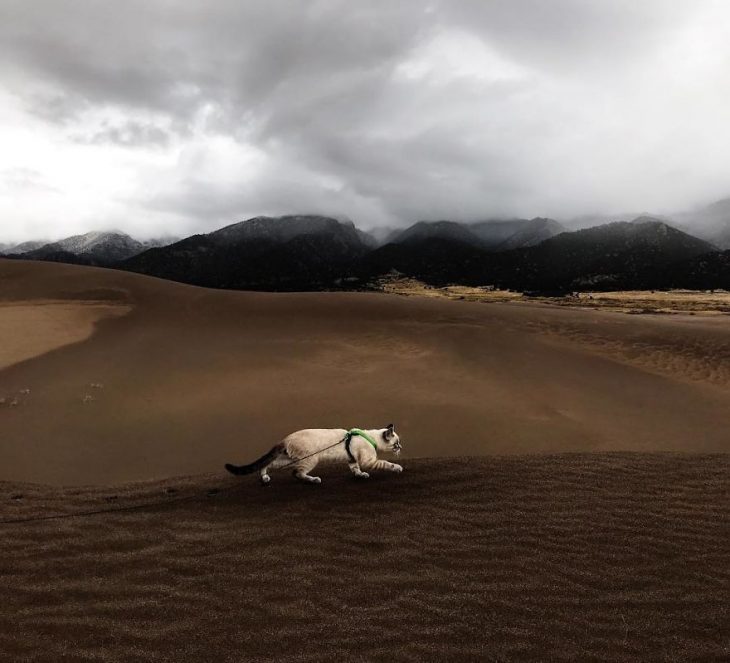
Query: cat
[{"x": 306, "y": 448}]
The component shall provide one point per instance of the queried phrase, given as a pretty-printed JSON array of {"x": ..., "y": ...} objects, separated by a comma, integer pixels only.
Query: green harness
[{"x": 353, "y": 432}]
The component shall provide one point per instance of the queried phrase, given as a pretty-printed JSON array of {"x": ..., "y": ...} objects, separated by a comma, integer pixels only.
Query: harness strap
[{"x": 348, "y": 439}]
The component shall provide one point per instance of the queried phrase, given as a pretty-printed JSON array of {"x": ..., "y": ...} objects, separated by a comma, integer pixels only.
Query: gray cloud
[
  {"x": 386, "y": 112},
  {"x": 128, "y": 134},
  {"x": 25, "y": 179}
]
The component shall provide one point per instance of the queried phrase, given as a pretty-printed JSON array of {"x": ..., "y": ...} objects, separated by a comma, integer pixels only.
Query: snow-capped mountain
[{"x": 97, "y": 247}]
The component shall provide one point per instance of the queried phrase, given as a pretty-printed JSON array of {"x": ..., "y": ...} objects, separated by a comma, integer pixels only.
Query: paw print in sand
[
  {"x": 9, "y": 402},
  {"x": 88, "y": 398}
]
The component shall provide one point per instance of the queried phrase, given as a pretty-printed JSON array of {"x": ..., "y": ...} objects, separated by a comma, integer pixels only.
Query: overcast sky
[{"x": 179, "y": 116}]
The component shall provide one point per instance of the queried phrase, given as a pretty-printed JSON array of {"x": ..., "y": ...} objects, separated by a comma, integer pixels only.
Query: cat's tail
[{"x": 265, "y": 460}]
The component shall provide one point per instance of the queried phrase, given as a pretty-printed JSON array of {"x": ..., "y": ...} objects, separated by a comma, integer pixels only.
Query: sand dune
[
  {"x": 597, "y": 557},
  {"x": 194, "y": 377},
  {"x": 29, "y": 330}
]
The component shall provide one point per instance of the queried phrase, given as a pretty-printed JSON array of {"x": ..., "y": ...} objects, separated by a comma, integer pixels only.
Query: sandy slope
[
  {"x": 596, "y": 557},
  {"x": 194, "y": 377},
  {"x": 31, "y": 329}
]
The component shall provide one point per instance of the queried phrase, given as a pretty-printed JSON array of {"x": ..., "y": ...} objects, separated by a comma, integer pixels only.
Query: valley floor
[{"x": 677, "y": 302}]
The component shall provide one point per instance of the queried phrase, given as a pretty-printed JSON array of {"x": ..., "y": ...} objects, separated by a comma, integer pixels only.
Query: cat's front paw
[
  {"x": 397, "y": 468},
  {"x": 363, "y": 475}
]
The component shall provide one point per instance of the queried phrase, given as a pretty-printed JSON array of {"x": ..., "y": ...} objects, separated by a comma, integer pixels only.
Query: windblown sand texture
[{"x": 575, "y": 557}]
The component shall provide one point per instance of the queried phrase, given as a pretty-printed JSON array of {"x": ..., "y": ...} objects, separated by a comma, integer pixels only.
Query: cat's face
[{"x": 391, "y": 441}]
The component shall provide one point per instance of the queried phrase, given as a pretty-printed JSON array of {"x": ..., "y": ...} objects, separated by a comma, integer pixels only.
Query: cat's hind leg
[
  {"x": 280, "y": 461},
  {"x": 302, "y": 470}
]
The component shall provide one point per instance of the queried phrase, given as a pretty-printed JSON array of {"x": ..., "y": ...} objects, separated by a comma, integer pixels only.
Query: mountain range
[
  {"x": 309, "y": 252},
  {"x": 93, "y": 248},
  {"x": 494, "y": 235}
]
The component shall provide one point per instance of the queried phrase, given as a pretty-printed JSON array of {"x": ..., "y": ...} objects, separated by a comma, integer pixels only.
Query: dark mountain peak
[
  {"x": 284, "y": 228},
  {"x": 546, "y": 222},
  {"x": 531, "y": 233},
  {"x": 445, "y": 230},
  {"x": 431, "y": 258},
  {"x": 646, "y": 218},
  {"x": 92, "y": 240},
  {"x": 507, "y": 234},
  {"x": 627, "y": 246},
  {"x": 549, "y": 222},
  {"x": 667, "y": 235},
  {"x": 295, "y": 252}
]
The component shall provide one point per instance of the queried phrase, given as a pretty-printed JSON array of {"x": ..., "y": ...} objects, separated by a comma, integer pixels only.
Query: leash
[{"x": 298, "y": 460}]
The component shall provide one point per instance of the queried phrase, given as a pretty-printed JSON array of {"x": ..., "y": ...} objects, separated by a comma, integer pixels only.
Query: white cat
[{"x": 304, "y": 449}]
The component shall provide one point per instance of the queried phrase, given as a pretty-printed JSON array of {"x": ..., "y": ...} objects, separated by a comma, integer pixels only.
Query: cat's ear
[{"x": 389, "y": 431}]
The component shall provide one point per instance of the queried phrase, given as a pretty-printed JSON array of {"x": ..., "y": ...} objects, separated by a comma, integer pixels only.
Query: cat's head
[{"x": 391, "y": 441}]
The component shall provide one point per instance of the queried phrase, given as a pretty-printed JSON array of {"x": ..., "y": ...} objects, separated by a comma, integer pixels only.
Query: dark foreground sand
[
  {"x": 190, "y": 378},
  {"x": 574, "y": 557}
]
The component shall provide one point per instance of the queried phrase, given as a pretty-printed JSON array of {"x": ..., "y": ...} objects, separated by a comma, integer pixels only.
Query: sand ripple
[{"x": 612, "y": 557}]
